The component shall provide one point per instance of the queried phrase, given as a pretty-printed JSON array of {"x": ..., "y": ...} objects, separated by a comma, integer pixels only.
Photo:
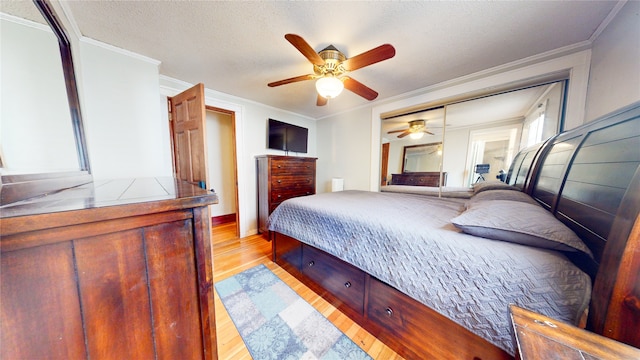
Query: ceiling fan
[
  {"x": 416, "y": 129},
  {"x": 330, "y": 67}
]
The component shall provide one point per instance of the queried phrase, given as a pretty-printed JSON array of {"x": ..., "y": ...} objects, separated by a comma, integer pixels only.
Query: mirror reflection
[
  {"x": 415, "y": 132},
  {"x": 422, "y": 158},
  {"x": 36, "y": 134},
  {"x": 488, "y": 130}
]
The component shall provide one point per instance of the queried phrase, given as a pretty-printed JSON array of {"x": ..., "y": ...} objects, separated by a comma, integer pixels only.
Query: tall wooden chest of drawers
[{"x": 281, "y": 178}]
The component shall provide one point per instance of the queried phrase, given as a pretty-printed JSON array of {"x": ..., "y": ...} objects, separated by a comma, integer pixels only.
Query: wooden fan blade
[
  {"x": 396, "y": 131},
  {"x": 291, "y": 80},
  {"x": 306, "y": 50},
  {"x": 407, "y": 132},
  {"x": 382, "y": 52},
  {"x": 359, "y": 88},
  {"x": 321, "y": 101}
]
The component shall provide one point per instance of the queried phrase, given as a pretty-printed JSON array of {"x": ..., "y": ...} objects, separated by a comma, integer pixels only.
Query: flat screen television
[{"x": 287, "y": 137}]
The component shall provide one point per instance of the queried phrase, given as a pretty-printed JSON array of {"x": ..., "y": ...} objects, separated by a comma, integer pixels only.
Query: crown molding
[
  {"x": 176, "y": 85},
  {"x": 607, "y": 20},
  {"x": 535, "y": 59},
  {"x": 71, "y": 21},
  {"x": 25, "y": 22},
  {"x": 121, "y": 51}
]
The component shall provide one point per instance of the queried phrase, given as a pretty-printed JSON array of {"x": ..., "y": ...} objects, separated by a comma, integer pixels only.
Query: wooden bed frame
[{"x": 589, "y": 178}]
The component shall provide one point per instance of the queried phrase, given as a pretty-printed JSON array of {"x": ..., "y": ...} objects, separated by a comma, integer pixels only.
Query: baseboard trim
[{"x": 223, "y": 219}]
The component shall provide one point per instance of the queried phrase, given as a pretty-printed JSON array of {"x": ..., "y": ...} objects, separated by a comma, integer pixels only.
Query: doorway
[
  {"x": 495, "y": 147},
  {"x": 222, "y": 166}
]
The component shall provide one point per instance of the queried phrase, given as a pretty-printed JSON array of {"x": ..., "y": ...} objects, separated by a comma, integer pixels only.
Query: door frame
[
  {"x": 170, "y": 87},
  {"x": 511, "y": 132},
  {"x": 232, "y": 115},
  {"x": 384, "y": 168}
]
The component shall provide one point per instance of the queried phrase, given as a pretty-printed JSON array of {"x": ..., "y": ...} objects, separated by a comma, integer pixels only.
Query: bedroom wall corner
[
  {"x": 614, "y": 80},
  {"x": 344, "y": 140}
]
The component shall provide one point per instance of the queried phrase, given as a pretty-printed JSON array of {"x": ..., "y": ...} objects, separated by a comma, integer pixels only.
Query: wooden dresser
[
  {"x": 419, "y": 179},
  {"x": 111, "y": 269},
  {"x": 281, "y": 178}
]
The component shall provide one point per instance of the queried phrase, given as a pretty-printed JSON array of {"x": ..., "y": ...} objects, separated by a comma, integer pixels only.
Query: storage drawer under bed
[{"x": 344, "y": 281}]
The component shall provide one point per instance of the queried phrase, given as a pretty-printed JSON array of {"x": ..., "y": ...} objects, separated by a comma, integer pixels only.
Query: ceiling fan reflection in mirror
[
  {"x": 330, "y": 68},
  {"x": 416, "y": 130}
]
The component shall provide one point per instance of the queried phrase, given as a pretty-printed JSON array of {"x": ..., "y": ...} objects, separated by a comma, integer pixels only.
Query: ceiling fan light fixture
[
  {"x": 416, "y": 135},
  {"x": 329, "y": 87}
]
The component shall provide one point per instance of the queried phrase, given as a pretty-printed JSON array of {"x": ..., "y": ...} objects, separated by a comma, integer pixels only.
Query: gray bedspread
[
  {"x": 445, "y": 191},
  {"x": 409, "y": 242}
]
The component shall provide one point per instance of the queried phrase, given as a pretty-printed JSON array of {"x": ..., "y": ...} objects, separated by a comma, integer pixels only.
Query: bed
[
  {"x": 445, "y": 191},
  {"x": 433, "y": 276}
]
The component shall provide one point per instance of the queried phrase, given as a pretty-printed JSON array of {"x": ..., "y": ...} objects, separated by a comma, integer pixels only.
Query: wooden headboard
[
  {"x": 589, "y": 178},
  {"x": 519, "y": 170}
]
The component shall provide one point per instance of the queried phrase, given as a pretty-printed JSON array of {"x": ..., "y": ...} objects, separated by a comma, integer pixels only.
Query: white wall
[
  {"x": 614, "y": 81},
  {"x": 454, "y": 156},
  {"x": 343, "y": 151},
  {"x": 33, "y": 138},
  {"x": 126, "y": 134}
]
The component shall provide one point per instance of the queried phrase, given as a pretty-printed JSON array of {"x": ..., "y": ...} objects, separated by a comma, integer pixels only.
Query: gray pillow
[
  {"x": 492, "y": 185},
  {"x": 520, "y": 223},
  {"x": 502, "y": 195}
]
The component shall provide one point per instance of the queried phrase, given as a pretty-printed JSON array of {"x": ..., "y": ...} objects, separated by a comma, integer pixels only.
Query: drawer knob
[
  {"x": 347, "y": 284},
  {"x": 311, "y": 263},
  {"x": 279, "y": 196},
  {"x": 279, "y": 166},
  {"x": 279, "y": 181},
  {"x": 389, "y": 312}
]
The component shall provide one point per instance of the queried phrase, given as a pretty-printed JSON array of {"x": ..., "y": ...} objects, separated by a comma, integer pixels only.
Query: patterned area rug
[{"x": 276, "y": 323}]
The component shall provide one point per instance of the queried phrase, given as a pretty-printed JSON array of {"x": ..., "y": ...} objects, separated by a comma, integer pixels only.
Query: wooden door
[
  {"x": 385, "y": 164},
  {"x": 187, "y": 116}
]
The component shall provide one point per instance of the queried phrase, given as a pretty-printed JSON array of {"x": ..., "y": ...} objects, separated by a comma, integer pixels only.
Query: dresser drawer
[
  {"x": 292, "y": 167},
  {"x": 289, "y": 182},
  {"x": 342, "y": 280},
  {"x": 282, "y": 195}
]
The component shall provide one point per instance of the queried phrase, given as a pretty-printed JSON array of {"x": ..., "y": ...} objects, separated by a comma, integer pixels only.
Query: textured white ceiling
[{"x": 237, "y": 47}]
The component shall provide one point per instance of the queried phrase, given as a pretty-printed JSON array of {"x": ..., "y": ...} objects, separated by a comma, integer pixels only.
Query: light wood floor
[{"x": 232, "y": 255}]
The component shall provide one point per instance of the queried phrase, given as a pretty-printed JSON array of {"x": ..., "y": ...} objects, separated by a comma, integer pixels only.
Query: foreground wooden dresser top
[
  {"x": 541, "y": 337},
  {"x": 158, "y": 193},
  {"x": 110, "y": 269}
]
